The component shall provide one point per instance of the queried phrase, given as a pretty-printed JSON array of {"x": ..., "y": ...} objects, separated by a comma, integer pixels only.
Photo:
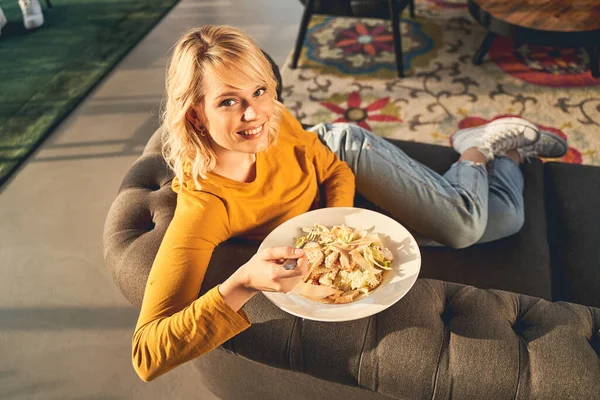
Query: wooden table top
[{"x": 546, "y": 15}]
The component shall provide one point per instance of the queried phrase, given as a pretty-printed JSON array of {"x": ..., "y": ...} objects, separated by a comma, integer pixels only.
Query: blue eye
[
  {"x": 260, "y": 92},
  {"x": 227, "y": 103}
]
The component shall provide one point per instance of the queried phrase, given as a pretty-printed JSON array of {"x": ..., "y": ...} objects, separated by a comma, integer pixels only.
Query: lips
[{"x": 252, "y": 133}]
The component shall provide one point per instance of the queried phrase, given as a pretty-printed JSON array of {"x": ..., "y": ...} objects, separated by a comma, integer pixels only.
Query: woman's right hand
[{"x": 265, "y": 272}]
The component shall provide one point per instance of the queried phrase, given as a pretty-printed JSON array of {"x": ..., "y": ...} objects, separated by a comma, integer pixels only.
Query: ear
[{"x": 192, "y": 116}]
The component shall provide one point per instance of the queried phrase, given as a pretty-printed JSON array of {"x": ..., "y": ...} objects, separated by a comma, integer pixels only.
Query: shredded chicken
[
  {"x": 350, "y": 262},
  {"x": 331, "y": 259},
  {"x": 315, "y": 257}
]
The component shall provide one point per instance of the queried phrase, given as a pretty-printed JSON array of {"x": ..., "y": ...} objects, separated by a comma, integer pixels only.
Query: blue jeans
[{"x": 464, "y": 206}]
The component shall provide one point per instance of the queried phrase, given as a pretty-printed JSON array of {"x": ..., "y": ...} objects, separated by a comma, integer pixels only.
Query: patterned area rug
[{"x": 347, "y": 72}]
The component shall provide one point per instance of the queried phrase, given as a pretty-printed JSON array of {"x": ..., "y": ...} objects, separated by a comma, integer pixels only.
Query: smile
[{"x": 252, "y": 133}]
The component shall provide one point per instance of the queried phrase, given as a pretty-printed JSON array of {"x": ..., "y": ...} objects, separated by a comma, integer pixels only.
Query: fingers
[
  {"x": 278, "y": 253},
  {"x": 300, "y": 268},
  {"x": 276, "y": 278}
]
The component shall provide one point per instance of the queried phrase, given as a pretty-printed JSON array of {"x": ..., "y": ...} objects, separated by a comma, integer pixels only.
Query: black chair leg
[
  {"x": 302, "y": 32},
  {"x": 412, "y": 8},
  {"x": 485, "y": 47},
  {"x": 48, "y": 4},
  {"x": 397, "y": 38},
  {"x": 593, "y": 52},
  {"x": 347, "y": 8}
]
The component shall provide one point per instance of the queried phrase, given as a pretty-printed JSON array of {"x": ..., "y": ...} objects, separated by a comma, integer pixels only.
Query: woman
[{"x": 243, "y": 165}]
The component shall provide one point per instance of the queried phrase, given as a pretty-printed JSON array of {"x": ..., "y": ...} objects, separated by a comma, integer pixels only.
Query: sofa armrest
[
  {"x": 136, "y": 223},
  {"x": 572, "y": 199},
  {"x": 441, "y": 340}
]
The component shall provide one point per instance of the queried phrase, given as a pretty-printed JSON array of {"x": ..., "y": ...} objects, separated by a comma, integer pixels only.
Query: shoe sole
[
  {"x": 33, "y": 23},
  {"x": 514, "y": 121}
]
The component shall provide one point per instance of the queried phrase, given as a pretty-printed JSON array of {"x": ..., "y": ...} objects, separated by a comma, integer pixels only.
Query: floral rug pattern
[{"x": 347, "y": 73}]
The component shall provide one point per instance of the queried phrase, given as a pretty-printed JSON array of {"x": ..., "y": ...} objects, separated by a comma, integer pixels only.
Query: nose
[{"x": 249, "y": 113}]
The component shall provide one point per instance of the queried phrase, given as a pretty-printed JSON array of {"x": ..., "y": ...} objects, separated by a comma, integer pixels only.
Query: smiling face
[{"x": 236, "y": 119}]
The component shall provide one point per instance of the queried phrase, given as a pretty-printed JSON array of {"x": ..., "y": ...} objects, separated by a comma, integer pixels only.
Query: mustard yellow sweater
[{"x": 175, "y": 325}]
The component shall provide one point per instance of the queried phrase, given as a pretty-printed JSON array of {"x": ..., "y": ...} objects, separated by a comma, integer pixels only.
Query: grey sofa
[{"x": 517, "y": 318}]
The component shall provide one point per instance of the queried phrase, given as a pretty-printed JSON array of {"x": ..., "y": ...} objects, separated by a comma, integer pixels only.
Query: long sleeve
[
  {"x": 174, "y": 325},
  {"x": 334, "y": 175}
]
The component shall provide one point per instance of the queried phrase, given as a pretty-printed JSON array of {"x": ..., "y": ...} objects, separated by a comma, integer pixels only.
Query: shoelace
[
  {"x": 503, "y": 140},
  {"x": 525, "y": 155}
]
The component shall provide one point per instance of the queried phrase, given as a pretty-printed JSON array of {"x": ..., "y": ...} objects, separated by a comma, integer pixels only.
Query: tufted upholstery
[
  {"x": 442, "y": 340},
  {"x": 138, "y": 220}
]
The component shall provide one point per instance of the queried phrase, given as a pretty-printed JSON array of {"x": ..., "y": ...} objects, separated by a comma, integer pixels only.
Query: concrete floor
[{"x": 65, "y": 329}]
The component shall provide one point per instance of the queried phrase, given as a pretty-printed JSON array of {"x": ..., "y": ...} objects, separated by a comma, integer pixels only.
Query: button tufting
[
  {"x": 446, "y": 315},
  {"x": 595, "y": 342},
  {"x": 518, "y": 327},
  {"x": 142, "y": 220}
]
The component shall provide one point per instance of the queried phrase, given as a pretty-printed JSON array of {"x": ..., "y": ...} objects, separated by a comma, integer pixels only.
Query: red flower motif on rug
[
  {"x": 573, "y": 155},
  {"x": 359, "y": 39},
  {"x": 359, "y": 115},
  {"x": 544, "y": 65}
]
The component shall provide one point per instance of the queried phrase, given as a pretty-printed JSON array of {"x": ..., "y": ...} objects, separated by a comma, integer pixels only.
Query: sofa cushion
[
  {"x": 441, "y": 340},
  {"x": 230, "y": 376},
  {"x": 573, "y": 204}
]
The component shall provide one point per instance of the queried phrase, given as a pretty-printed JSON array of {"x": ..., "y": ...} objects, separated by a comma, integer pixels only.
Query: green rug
[{"x": 45, "y": 73}]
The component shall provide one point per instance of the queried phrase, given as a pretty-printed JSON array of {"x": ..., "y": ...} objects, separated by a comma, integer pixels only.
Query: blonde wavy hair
[{"x": 231, "y": 56}]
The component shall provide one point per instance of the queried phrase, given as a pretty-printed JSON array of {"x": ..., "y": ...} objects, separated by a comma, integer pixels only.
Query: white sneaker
[
  {"x": 497, "y": 137},
  {"x": 33, "y": 17},
  {"x": 3, "y": 20}
]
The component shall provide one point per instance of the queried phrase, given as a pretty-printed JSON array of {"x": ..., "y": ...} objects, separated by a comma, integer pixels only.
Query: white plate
[{"x": 396, "y": 283}]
